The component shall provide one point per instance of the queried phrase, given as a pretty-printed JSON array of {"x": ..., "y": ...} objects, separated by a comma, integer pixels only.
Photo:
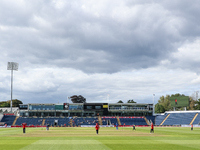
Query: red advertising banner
[{"x": 9, "y": 114}]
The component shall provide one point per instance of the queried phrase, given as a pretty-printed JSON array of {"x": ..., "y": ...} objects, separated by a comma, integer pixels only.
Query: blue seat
[
  {"x": 176, "y": 118},
  {"x": 8, "y": 119}
]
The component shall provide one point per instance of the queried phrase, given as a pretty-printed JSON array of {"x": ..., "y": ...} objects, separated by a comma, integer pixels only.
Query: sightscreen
[{"x": 181, "y": 101}]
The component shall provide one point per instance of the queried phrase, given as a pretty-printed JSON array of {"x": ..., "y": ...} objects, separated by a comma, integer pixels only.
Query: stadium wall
[
  {"x": 1, "y": 116},
  {"x": 188, "y": 111}
]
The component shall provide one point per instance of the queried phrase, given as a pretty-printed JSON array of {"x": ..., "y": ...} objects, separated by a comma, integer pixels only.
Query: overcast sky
[{"x": 106, "y": 50}]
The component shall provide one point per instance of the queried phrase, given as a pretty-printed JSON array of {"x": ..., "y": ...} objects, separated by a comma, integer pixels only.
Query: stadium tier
[
  {"x": 29, "y": 121},
  {"x": 72, "y": 121},
  {"x": 43, "y": 121},
  {"x": 8, "y": 120},
  {"x": 109, "y": 120},
  {"x": 166, "y": 119},
  {"x": 77, "y": 114},
  {"x": 197, "y": 119},
  {"x": 124, "y": 120},
  {"x": 159, "y": 119},
  {"x": 57, "y": 121},
  {"x": 151, "y": 119},
  {"x": 178, "y": 118},
  {"x": 133, "y": 120}
]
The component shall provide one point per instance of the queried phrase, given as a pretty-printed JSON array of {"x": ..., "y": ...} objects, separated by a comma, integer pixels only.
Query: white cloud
[{"x": 189, "y": 51}]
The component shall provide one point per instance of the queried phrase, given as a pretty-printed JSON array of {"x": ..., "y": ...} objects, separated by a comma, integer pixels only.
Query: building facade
[{"x": 85, "y": 109}]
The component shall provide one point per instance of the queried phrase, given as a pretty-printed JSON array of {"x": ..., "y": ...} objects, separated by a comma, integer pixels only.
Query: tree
[
  {"x": 15, "y": 102},
  {"x": 131, "y": 101},
  {"x": 5, "y": 104},
  {"x": 165, "y": 102},
  {"x": 197, "y": 105},
  {"x": 78, "y": 99},
  {"x": 159, "y": 108},
  {"x": 191, "y": 104},
  {"x": 177, "y": 95},
  {"x": 120, "y": 101}
]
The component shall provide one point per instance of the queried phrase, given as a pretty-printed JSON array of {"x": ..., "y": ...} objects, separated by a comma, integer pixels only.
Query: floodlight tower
[
  {"x": 153, "y": 104},
  {"x": 197, "y": 95},
  {"x": 12, "y": 66}
]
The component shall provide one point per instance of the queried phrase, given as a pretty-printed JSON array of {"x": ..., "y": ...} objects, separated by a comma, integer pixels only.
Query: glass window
[
  {"x": 97, "y": 107},
  {"x": 89, "y": 107}
]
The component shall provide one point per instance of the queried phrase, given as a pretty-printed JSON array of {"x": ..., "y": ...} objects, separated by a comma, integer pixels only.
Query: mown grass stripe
[{"x": 66, "y": 144}]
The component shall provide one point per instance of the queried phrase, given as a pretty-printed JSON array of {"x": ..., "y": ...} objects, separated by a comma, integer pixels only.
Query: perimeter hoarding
[{"x": 181, "y": 101}]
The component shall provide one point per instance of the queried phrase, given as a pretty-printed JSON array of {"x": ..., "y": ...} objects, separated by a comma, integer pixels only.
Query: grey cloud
[
  {"x": 147, "y": 34},
  {"x": 96, "y": 37}
]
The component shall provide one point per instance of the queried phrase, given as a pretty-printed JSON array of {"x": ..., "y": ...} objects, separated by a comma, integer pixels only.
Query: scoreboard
[{"x": 180, "y": 101}]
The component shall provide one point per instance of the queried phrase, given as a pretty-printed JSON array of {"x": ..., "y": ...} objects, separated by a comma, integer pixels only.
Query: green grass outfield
[{"x": 166, "y": 138}]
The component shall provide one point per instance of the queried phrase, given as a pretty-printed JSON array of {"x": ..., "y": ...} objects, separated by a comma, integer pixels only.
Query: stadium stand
[
  {"x": 8, "y": 119},
  {"x": 169, "y": 118},
  {"x": 90, "y": 121},
  {"x": 76, "y": 121},
  {"x": 85, "y": 121},
  {"x": 29, "y": 121},
  {"x": 151, "y": 119},
  {"x": 197, "y": 119},
  {"x": 38, "y": 121},
  {"x": 131, "y": 121},
  {"x": 160, "y": 118},
  {"x": 177, "y": 118},
  {"x": 63, "y": 121},
  {"x": 57, "y": 121},
  {"x": 109, "y": 120}
]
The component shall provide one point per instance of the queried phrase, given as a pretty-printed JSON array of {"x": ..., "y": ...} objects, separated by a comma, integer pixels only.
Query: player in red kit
[
  {"x": 97, "y": 128},
  {"x": 152, "y": 128},
  {"x": 24, "y": 127}
]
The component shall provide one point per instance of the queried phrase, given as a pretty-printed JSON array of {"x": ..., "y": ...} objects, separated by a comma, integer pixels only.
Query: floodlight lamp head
[{"x": 12, "y": 66}]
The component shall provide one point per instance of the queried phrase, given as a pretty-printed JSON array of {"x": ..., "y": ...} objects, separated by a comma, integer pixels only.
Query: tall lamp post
[
  {"x": 12, "y": 66},
  {"x": 153, "y": 104}
]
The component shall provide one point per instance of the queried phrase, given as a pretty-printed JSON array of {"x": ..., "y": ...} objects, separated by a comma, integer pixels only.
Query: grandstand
[
  {"x": 78, "y": 114},
  {"x": 159, "y": 119},
  {"x": 197, "y": 119},
  {"x": 133, "y": 120},
  {"x": 178, "y": 118},
  {"x": 110, "y": 121},
  {"x": 73, "y": 121},
  {"x": 150, "y": 119},
  {"x": 77, "y": 121},
  {"x": 29, "y": 121},
  {"x": 8, "y": 120},
  {"x": 167, "y": 119}
]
